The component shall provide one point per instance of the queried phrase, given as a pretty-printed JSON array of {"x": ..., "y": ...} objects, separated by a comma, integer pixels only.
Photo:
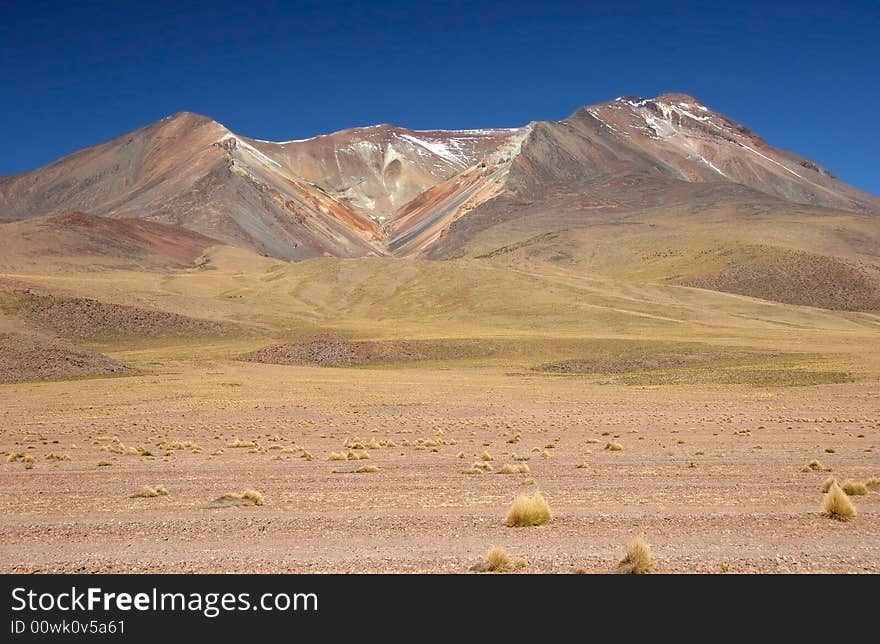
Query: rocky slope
[{"x": 388, "y": 190}]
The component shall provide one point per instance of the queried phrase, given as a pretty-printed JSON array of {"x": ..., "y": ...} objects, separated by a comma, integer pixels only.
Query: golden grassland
[{"x": 690, "y": 417}]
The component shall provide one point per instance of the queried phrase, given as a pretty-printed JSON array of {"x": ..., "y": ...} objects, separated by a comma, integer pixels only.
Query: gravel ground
[{"x": 709, "y": 476}]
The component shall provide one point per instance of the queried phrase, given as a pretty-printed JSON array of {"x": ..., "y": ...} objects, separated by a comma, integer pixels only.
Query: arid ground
[{"x": 717, "y": 400}]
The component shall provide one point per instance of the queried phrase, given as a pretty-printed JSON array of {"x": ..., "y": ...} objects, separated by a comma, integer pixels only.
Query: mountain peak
[{"x": 382, "y": 189}]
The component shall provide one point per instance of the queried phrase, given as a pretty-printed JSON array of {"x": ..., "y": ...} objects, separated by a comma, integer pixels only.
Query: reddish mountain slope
[
  {"x": 384, "y": 190},
  {"x": 89, "y": 240}
]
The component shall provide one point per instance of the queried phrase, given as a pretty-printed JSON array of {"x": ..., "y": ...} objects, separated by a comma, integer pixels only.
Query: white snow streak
[
  {"x": 254, "y": 151},
  {"x": 605, "y": 123},
  {"x": 439, "y": 149},
  {"x": 770, "y": 160},
  {"x": 712, "y": 165}
]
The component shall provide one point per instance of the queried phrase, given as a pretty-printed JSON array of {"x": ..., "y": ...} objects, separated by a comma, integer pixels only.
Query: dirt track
[{"x": 745, "y": 502}]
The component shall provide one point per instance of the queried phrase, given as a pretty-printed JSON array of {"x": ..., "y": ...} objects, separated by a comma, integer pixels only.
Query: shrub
[
  {"x": 613, "y": 447},
  {"x": 837, "y": 505},
  {"x": 854, "y": 488},
  {"x": 815, "y": 466},
  {"x": 497, "y": 560},
  {"x": 528, "y": 510},
  {"x": 149, "y": 492},
  {"x": 248, "y": 497},
  {"x": 519, "y": 468},
  {"x": 637, "y": 560}
]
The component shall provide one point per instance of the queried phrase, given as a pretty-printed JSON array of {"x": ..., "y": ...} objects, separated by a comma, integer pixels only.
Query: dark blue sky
[{"x": 802, "y": 74}]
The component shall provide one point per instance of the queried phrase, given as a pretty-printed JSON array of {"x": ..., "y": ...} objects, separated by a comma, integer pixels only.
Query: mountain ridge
[{"x": 388, "y": 190}]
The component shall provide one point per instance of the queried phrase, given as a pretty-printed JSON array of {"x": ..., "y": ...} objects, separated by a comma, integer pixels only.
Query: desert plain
[{"x": 429, "y": 377}]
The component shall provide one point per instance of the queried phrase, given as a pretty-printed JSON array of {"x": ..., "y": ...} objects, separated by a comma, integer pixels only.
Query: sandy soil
[{"x": 744, "y": 502}]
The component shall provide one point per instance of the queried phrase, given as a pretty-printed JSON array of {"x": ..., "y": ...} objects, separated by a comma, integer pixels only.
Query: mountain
[
  {"x": 664, "y": 189},
  {"x": 388, "y": 190},
  {"x": 78, "y": 239}
]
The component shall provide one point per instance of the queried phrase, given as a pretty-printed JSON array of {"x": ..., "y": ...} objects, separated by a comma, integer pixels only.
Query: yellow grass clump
[
  {"x": 815, "y": 466},
  {"x": 486, "y": 456},
  {"x": 873, "y": 483},
  {"x": 528, "y": 510},
  {"x": 613, "y": 447},
  {"x": 854, "y": 488},
  {"x": 248, "y": 497},
  {"x": 497, "y": 560},
  {"x": 149, "y": 492},
  {"x": 478, "y": 467},
  {"x": 58, "y": 457},
  {"x": 837, "y": 505},
  {"x": 637, "y": 560},
  {"x": 518, "y": 468},
  {"x": 827, "y": 483},
  {"x": 240, "y": 443},
  {"x": 337, "y": 456},
  {"x": 367, "y": 469}
]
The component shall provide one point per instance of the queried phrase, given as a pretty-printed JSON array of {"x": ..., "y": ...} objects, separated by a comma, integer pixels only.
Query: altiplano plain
[{"x": 644, "y": 311}]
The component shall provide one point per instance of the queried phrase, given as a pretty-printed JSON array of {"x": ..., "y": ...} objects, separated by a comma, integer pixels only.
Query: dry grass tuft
[
  {"x": 826, "y": 485},
  {"x": 873, "y": 483},
  {"x": 486, "y": 456},
  {"x": 637, "y": 560},
  {"x": 479, "y": 467},
  {"x": 815, "y": 466},
  {"x": 240, "y": 443},
  {"x": 854, "y": 488},
  {"x": 337, "y": 456},
  {"x": 248, "y": 497},
  {"x": 518, "y": 468},
  {"x": 497, "y": 560},
  {"x": 149, "y": 492},
  {"x": 613, "y": 447},
  {"x": 29, "y": 462},
  {"x": 367, "y": 469},
  {"x": 58, "y": 457},
  {"x": 528, "y": 510},
  {"x": 837, "y": 505}
]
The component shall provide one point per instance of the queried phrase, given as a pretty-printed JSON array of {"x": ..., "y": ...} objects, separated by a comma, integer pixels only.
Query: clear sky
[{"x": 803, "y": 74}]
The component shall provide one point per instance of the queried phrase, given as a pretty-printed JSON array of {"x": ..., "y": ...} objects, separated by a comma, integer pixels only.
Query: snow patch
[
  {"x": 251, "y": 149},
  {"x": 440, "y": 149},
  {"x": 743, "y": 145},
  {"x": 712, "y": 165},
  {"x": 605, "y": 123},
  {"x": 311, "y": 138}
]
